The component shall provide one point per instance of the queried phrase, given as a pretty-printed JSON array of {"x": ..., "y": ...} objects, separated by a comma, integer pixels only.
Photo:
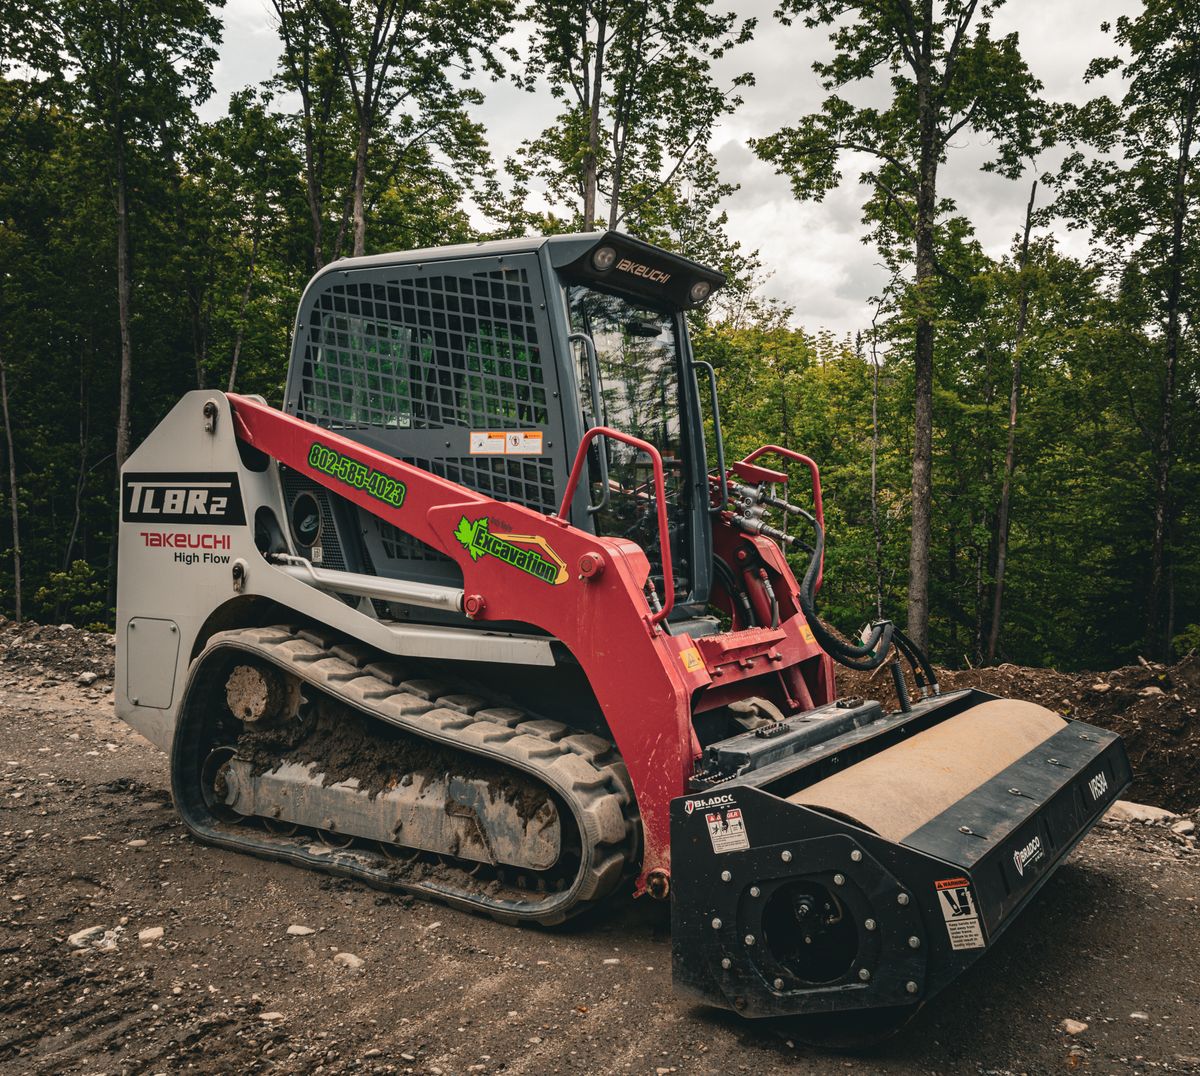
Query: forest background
[{"x": 1010, "y": 444}]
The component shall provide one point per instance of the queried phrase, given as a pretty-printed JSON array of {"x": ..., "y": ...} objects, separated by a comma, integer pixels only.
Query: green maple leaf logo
[{"x": 465, "y": 533}]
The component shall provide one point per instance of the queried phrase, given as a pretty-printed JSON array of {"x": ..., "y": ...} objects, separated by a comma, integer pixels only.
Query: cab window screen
[{"x": 424, "y": 353}]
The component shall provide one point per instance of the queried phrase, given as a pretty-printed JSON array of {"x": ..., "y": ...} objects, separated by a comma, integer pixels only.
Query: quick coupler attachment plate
[
  {"x": 750, "y": 751},
  {"x": 781, "y": 909}
]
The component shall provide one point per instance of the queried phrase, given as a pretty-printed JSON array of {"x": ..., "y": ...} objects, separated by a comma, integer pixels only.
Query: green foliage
[
  {"x": 78, "y": 595},
  {"x": 640, "y": 102},
  {"x": 1187, "y": 640},
  {"x": 228, "y": 219},
  {"x": 1132, "y": 183}
]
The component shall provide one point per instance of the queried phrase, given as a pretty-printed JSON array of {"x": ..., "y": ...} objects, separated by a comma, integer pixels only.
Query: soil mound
[
  {"x": 53, "y": 653},
  {"x": 1156, "y": 708}
]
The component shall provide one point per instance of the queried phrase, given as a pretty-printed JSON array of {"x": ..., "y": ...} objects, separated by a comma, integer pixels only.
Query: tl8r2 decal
[
  {"x": 182, "y": 497},
  {"x": 529, "y": 553}
]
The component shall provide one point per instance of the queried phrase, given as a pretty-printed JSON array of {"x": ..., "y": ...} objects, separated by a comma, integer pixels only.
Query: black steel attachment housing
[{"x": 780, "y": 909}]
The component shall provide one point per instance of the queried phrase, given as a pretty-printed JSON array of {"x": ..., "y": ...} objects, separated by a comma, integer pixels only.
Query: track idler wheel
[{"x": 214, "y": 784}]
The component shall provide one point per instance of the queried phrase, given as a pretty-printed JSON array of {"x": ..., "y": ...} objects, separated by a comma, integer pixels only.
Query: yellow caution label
[
  {"x": 692, "y": 661},
  {"x": 806, "y": 633}
]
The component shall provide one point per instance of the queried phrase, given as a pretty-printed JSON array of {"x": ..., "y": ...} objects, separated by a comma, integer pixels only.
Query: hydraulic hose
[
  {"x": 912, "y": 650},
  {"x": 736, "y": 593},
  {"x": 904, "y": 647},
  {"x": 874, "y": 650}
]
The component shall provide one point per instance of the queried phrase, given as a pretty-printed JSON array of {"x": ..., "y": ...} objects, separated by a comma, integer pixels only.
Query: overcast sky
[{"x": 821, "y": 267}]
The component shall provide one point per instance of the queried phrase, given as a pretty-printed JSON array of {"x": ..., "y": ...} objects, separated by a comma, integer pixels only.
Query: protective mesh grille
[
  {"x": 425, "y": 353},
  {"x": 329, "y": 541},
  {"x": 522, "y": 481}
]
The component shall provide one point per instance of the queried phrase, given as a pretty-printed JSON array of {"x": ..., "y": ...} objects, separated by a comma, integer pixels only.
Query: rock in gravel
[
  {"x": 297, "y": 931},
  {"x": 1127, "y": 811},
  {"x": 87, "y": 679},
  {"x": 1139, "y": 1016},
  {"x": 1074, "y": 1027},
  {"x": 138, "y": 843},
  {"x": 348, "y": 960},
  {"x": 81, "y": 939},
  {"x": 1185, "y": 828},
  {"x": 150, "y": 934},
  {"x": 271, "y": 1017}
]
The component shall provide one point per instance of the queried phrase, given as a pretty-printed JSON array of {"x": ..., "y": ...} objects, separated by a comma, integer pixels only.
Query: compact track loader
[{"x": 475, "y": 617}]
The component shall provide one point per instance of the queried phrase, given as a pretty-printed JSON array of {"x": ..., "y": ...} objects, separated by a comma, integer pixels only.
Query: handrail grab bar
[
  {"x": 589, "y": 346},
  {"x": 811, "y": 464},
  {"x": 660, "y": 494}
]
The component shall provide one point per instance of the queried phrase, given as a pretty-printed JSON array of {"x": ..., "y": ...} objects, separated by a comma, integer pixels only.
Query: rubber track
[{"x": 585, "y": 770}]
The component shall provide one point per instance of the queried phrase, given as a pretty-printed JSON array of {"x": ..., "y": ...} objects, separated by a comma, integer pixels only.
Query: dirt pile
[
  {"x": 1156, "y": 708},
  {"x": 32, "y": 654}
]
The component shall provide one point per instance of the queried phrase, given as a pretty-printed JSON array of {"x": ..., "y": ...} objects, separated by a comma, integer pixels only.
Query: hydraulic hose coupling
[{"x": 474, "y": 605}]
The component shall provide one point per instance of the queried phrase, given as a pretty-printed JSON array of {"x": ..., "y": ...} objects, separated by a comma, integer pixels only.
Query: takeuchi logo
[{"x": 530, "y": 553}]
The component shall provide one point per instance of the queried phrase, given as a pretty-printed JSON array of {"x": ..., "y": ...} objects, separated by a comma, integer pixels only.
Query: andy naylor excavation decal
[
  {"x": 357, "y": 475},
  {"x": 530, "y": 553}
]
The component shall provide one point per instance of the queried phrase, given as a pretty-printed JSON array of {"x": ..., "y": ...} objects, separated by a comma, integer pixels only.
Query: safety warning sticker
[
  {"x": 727, "y": 830},
  {"x": 960, "y": 912},
  {"x": 505, "y": 442},
  {"x": 527, "y": 443},
  {"x": 487, "y": 443}
]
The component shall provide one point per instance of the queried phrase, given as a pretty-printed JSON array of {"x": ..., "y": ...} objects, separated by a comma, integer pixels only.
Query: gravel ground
[{"x": 89, "y": 839}]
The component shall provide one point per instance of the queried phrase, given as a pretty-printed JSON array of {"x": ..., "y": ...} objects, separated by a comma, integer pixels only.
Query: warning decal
[
  {"x": 523, "y": 444},
  {"x": 692, "y": 661},
  {"x": 727, "y": 830},
  {"x": 487, "y": 443},
  {"x": 961, "y": 915},
  {"x": 505, "y": 442}
]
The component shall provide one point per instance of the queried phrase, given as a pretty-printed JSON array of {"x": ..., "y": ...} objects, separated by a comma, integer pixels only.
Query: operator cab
[{"x": 486, "y": 364}]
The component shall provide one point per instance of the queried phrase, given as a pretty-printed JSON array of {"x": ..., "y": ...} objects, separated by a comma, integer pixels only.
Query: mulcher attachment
[{"x": 855, "y": 863}]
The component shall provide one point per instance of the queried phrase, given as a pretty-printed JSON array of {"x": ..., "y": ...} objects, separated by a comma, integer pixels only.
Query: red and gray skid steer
[{"x": 473, "y": 617}]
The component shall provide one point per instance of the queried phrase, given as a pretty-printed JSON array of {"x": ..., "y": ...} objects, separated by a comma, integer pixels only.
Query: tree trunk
[
  {"x": 81, "y": 478},
  {"x": 592, "y": 157},
  {"x": 360, "y": 185},
  {"x": 199, "y": 333},
  {"x": 241, "y": 329},
  {"x": 1156, "y": 638},
  {"x": 922, "y": 467},
  {"x": 614, "y": 214},
  {"x": 13, "y": 492},
  {"x": 297, "y": 55},
  {"x": 1010, "y": 452},
  {"x": 621, "y": 117},
  {"x": 123, "y": 302}
]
